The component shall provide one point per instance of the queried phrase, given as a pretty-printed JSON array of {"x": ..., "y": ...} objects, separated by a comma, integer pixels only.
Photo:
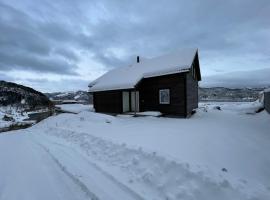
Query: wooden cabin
[{"x": 168, "y": 84}]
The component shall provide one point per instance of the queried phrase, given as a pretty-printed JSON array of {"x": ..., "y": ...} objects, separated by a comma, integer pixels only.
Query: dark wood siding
[
  {"x": 108, "y": 101},
  {"x": 192, "y": 93},
  {"x": 183, "y": 95},
  {"x": 196, "y": 64},
  {"x": 267, "y": 101},
  {"x": 149, "y": 94}
]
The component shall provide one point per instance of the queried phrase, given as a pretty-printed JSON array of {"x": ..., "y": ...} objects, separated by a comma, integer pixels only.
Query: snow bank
[{"x": 236, "y": 107}]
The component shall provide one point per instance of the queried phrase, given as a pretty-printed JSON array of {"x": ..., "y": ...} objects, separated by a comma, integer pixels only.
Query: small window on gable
[{"x": 164, "y": 96}]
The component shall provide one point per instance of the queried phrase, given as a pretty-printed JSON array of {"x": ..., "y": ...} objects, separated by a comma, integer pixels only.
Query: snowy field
[
  {"x": 220, "y": 153},
  {"x": 75, "y": 108}
]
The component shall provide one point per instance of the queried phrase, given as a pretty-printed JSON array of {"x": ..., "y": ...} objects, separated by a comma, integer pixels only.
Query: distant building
[
  {"x": 168, "y": 84},
  {"x": 267, "y": 100}
]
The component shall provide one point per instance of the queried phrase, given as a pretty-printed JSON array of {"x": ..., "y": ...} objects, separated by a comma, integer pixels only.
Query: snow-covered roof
[{"x": 128, "y": 77}]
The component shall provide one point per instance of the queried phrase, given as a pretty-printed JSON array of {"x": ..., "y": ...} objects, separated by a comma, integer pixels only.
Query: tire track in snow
[
  {"x": 28, "y": 172},
  {"x": 76, "y": 180},
  {"x": 84, "y": 186},
  {"x": 164, "y": 178}
]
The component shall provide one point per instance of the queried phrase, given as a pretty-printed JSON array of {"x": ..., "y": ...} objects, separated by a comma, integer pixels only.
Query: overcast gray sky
[{"x": 62, "y": 45}]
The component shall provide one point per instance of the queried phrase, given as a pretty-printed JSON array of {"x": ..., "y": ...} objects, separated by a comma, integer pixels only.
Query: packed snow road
[{"x": 29, "y": 171}]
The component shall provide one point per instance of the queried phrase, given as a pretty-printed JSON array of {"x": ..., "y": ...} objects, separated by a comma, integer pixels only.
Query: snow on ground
[
  {"x": 216, "y": 154},
  {"x": 149, "y": 113},
  {"x": 28, "y": 173},
  {"x": 237, "y": 107},
  {"x": 4, "y": 123},
  {"x": 75, "y": 108},
  {"x": 17, "y": 115},
  {"x": 141, "y": 114}
]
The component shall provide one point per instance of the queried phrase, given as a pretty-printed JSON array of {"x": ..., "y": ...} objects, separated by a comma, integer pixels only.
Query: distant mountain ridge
[
  {"x": 21, "y": 96},
  {"x": 205, "y": 94},
  {"x": 229, "y": 94},
  {"x": 80, "y": 95}
]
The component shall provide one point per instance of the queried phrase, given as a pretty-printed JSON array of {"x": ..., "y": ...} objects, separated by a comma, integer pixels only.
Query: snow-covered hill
[
  {"x": 81, "y": 96},
  {"x": 17, "y": 101},
  {"x": 221, "y": 152},
  {"x": 12, "y": 94},
  {"x": 229, "y": 94}
]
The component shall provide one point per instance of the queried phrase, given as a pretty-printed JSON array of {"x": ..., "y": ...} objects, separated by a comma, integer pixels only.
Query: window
[{"x": 164, "y": 96}]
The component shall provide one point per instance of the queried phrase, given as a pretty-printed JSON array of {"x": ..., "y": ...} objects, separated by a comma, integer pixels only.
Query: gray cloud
[
  {"x": 19, "y": 60},
  {"x": 45, "y": 85},
  {"x": 48, "y": 36},
  {"x": 253, "y": 78},
  {"x": 23, "y": 46},
  {"x": 67, "y": 53}
]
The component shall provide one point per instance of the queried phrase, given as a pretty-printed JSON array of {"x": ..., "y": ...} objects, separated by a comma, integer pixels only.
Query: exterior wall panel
[
  {"x": 192, "y": 93},
  {"x": 108, "y": 101},
  {"x": 149, "y": 94},
  {"x": 267, "y": 101}
]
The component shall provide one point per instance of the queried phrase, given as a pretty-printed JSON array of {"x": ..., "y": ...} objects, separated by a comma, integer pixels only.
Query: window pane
[{"x": 164, "y": 96}]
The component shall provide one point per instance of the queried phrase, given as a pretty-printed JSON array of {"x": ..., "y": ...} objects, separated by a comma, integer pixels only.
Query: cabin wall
[
  {"x": 108, "y": 101},
  {"x": 267, "y": 101},
  {"x": 183, "y": 96},
  {"x": 149, "y": 94},
  {"x": 192, "y": 93}
]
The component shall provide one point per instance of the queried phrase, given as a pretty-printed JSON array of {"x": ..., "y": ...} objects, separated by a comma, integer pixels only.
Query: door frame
[
  {"x": 125, "y": 101},
  {"x": 133, "y": 97}
]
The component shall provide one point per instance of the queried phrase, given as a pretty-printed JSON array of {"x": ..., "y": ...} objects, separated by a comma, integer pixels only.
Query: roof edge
[{"x": 133, "y": 87}]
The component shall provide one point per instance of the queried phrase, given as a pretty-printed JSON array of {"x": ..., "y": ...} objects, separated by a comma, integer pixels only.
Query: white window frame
[{"x": 168, "y": 92}]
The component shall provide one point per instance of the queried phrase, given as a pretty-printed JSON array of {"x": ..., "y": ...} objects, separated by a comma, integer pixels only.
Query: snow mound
[
  {"x": 84, "y": 117},
  {"x": 96, "y": 117}
]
